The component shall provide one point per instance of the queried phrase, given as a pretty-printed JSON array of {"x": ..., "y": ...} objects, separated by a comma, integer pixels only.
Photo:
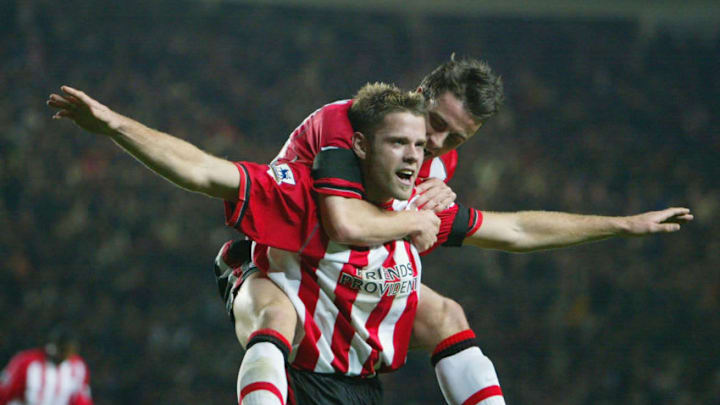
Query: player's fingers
[
  {"x": 677, "y": 211},
  {"x": 62, "y": 114},
  {"x": 76, "y": 96},
  {"x": 58, "y": 104},
  {"x": 419, "y": 202},
  {"x": 679, "y": 219},
  {"x": 56, "y": 100},
  {"x": 431, "y": 206},
  {"x": 74, "y": 99},
  {"x": 54, "y": 104},
  {"x": 422, "y": 187},
  {"x": 669, "y": 227}
]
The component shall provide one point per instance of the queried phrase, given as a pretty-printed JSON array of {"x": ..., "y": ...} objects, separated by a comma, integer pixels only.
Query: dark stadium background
[{"x": 610, "y": 110}]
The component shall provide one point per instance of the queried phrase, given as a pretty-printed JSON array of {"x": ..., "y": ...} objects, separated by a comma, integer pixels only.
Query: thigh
[
  {"x": 437, "y": 318},
  {"x": 260, "y": 304}
]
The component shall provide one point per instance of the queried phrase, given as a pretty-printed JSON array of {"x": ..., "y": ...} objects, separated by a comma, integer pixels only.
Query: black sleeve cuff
[{"x": 460, "y": 227}]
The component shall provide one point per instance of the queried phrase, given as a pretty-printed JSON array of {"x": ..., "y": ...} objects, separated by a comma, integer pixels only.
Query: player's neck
[{"x": 377, "y": 197}]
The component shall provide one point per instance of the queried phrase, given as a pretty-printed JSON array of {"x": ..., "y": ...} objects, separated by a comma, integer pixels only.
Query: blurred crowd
[{"x": 600, "y": 117}]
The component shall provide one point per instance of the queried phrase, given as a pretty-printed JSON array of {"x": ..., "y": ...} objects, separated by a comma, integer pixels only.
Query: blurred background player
[{"x": 51, "y": 375}]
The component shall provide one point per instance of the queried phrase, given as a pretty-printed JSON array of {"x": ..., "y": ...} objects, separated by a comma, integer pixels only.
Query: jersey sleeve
[
  {"x": 450, "y": 161},
  {"x": 334, "y": 128},
  {"x": 336, "y": 171},
  {"x": 275, "y": 205},
  {"x": 12, "y": 380},
  {"x": 442, "y": 167},
  {"x": 456, "y": 223},
  {"x": 329, "y": 126}
]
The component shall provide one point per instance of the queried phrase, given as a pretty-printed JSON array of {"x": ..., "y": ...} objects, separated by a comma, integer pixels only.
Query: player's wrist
[
  {"x": 621, "y": 226},
  {"x": 120, "y": 125},
  {"x": 410, "y": 221}
]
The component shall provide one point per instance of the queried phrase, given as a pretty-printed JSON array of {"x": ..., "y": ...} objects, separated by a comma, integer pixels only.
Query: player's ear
[{"x": 360, "y": 144}]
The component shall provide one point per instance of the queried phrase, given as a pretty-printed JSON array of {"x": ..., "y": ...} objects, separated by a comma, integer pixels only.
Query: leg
[
  {"x": 264, "y": 320},
  {"x": 437, "y": 318},
  {"x": 260, "y": 304},
  {"x": 265, "y": 325},
  {"x": 465, "y": 374}
]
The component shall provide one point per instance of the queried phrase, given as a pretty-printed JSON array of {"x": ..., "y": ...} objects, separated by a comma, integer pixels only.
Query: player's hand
[
  {"x": 428, "y": 228},
  {"x": 434, "y": 195},
  {"x": 85, "y": 111},
  {"x": 667, "y": 220}
]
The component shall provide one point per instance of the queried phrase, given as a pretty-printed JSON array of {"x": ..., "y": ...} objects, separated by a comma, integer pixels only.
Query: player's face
[
  {"x": 449, "y": 125},
  {"x": 394, "y": 158}
]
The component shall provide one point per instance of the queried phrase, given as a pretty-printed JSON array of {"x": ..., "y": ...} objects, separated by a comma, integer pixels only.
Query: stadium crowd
[{"x": 600, "y": 116}]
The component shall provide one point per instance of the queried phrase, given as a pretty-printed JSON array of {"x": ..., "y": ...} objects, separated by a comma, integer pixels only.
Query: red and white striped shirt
[
  {"x": 356, "y": 305},
  {"x": 32, "y": 379}
]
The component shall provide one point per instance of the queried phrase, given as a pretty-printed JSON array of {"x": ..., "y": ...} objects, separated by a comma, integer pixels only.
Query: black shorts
[
  {"x": 238, "y": 255},
  {"x": 308, "y": 388}
]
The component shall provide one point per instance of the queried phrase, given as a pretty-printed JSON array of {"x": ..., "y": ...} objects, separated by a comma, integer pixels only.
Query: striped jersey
[
  {"x": 32, "y": 379},
  {"x": 355, "y": 305}
]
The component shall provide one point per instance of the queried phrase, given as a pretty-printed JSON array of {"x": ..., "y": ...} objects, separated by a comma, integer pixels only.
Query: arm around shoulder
[{"x": 357, "y": 222}]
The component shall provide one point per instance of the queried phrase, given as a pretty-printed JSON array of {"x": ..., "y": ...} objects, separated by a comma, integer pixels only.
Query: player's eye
[{"x": 437, "y": 123}]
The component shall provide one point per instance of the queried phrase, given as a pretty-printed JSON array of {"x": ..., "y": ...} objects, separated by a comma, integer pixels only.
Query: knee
[
  {"x": 278, "y": 315},
  {"x": 437, "y": 319},
  {"x": 453, "y": 316}
]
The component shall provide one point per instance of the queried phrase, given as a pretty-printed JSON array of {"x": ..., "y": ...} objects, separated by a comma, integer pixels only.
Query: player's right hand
[
  {"x": 428, "y": 225},
  {"x": 433, "y": 195},
  {"x": 85, "y": 111}
]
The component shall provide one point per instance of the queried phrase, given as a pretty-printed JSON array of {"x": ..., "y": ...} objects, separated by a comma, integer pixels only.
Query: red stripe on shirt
[
  {"x": 344, "y": 299},
  {"x": 372, "y": 325},
  {"x": 308, "y": 352},
  {"x": 403, "y": 327}
]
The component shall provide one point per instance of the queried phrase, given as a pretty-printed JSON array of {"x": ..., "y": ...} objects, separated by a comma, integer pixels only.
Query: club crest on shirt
[{"x": 281, "y": 173}]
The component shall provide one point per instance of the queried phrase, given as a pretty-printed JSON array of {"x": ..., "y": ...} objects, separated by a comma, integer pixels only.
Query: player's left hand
[
  {"x": 667, "y": 220},
  {"x": 85, "y": 111},
  {"x": 434, "y": 195}
]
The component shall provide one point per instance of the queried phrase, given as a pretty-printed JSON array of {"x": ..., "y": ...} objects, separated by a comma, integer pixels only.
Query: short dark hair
[
  {"x": 376, "y": 100},
  {"x": 62, "y": 335},
  {"x": 472, "y": 81}
]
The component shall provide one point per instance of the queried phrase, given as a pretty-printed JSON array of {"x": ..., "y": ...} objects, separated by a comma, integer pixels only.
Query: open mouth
[{"x": 405, "y": 176}]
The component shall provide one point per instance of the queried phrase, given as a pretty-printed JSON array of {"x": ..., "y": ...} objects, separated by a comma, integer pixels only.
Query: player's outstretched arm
[
  {"x": 174, "y": 159},
  {"x": 357, "y": 222},
  {"x": 536, "y": 230}
]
